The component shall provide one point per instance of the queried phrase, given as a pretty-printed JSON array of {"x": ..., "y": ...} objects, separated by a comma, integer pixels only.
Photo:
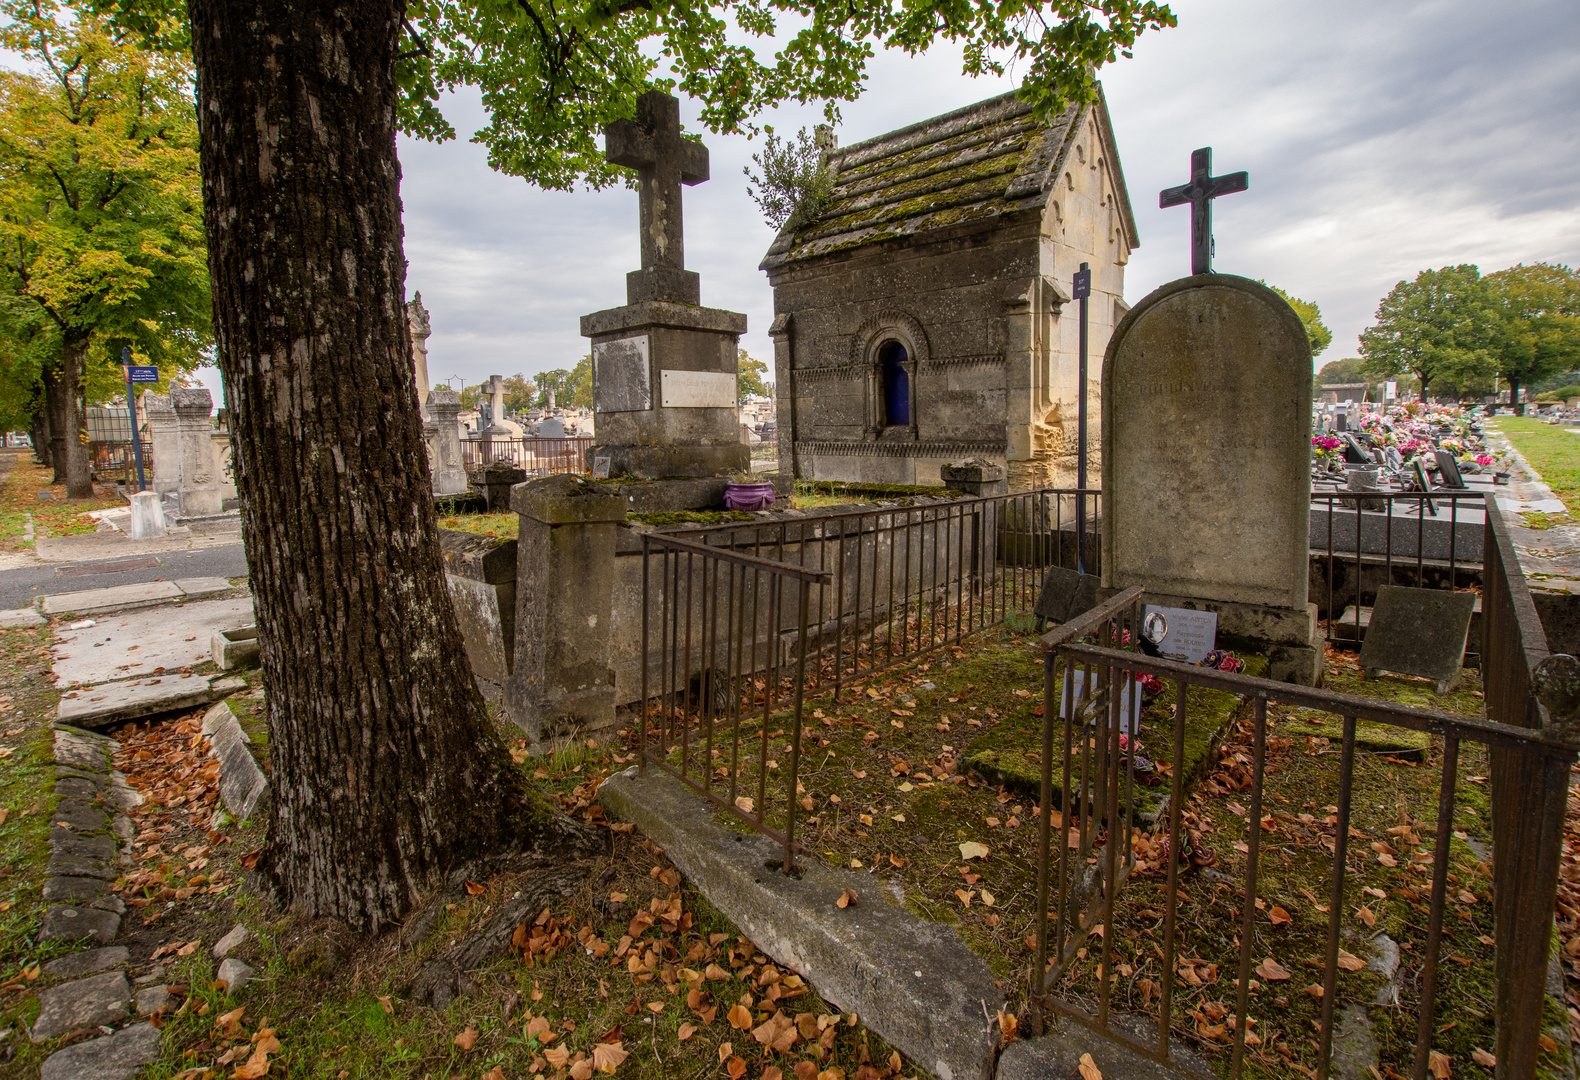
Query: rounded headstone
[{"x": 1207, "y": 445}]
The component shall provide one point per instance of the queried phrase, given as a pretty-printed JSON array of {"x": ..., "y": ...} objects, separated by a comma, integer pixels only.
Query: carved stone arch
[{"x": 866, "y": 352}]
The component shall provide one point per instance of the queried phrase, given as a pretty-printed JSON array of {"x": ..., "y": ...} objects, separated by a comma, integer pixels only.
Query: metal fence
[
  {"x": 1079, "y": 886},
  {"x": 110, "y": 456},
  {"x": 1431, "y": 540},
  {"x": 539, "y": 457},
  {"x": 741, "y": 618}
]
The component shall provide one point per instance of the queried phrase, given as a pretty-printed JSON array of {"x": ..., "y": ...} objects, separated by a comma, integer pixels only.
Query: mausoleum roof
[{"x": 983, "y": 161}]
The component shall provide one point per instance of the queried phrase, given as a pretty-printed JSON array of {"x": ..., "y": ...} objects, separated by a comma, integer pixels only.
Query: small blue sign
[
  {"x": 1083, "y": 284},
  {"x": 136, "y": 374}
]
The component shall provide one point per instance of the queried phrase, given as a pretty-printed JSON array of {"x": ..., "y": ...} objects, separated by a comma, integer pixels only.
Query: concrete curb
[
  {"x": 242, "y": 786},
  {"x": 912, "y": 982}
]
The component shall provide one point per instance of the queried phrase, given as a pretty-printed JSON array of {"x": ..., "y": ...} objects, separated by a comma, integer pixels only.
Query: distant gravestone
[
  {"x": 1418, "y": 632},
  {"x": 551, "y": 428},
  {"x": 1206, "y": 461},
  {"x": 1066, "y": 595}
]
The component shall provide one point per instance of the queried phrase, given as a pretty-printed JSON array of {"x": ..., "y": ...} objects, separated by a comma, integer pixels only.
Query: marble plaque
[
  {"x": 1130, "y": 704},
  {"x": 697, "y": 389},
  {"x": 1191, "y": 634},
  {"x": 622, "y": 379},
  {"x": 601, "y": 467}
]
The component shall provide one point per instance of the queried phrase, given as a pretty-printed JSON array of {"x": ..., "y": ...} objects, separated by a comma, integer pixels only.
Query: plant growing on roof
[{"x": 796, "y": 184}]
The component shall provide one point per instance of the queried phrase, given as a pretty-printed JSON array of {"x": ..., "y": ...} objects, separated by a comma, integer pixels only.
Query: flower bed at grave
[{"x": 888, "y": 788}]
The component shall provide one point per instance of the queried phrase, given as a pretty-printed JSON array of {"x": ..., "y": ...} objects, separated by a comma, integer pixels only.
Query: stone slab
[
  {"x": 87, "y": 962},
  {"x": 1058, "y": 1054},
  {"x": 141, "y": 641},
  {"x": 1206, "y": 443},
  {"x": 79, "y": 890},
  {"x": 62, "y": 865},
  {"x": 19, "y": 617},
  {"x": 89, "y": 1002},
  {"x": 80, "y": 923},
  {"x": 114, "y": 598},
  {"x": 100, "y": 706},
  {"x": 113, "y": 1057},
  {"x": 1458, "y": 533},
  {"x": 152, "y": 999},
  {"x": 230, "y": 942},
  {"x": 1418, "y": 632},
  {"x": 235, "y": 974},
  {"x": 243, "y": 787},
  {"x": 912, "y": 982},
  {"x": 1066, "y": 594},
  {"x": 82, "y": 750},
  {"x": 199, "y": 587}
]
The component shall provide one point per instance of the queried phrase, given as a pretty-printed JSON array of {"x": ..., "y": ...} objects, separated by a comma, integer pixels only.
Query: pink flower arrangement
[
  {"x": 1483, "y": 460},
  {"x": 1325, "y": 442}
]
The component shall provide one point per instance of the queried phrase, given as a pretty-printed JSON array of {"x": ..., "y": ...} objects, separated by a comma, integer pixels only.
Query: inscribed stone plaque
[
  {"x": 1191, "y": 634},
  {"x": 601, "y": 467},
  {"x": 621, "y": 378},
  {"x": 1207, "y": 445},
  {"x": 1066, "y": 594},
  {"x": 697, "y": 389},
  {"x": 1418, "y": 632}
]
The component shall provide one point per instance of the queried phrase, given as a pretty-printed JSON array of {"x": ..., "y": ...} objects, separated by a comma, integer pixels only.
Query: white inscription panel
[
  {"x": 697, "y": 390},
  {"x": 1191, "y": 634}
]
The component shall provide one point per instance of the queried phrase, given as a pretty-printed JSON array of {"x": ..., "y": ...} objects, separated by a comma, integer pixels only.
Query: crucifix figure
[
  {"x": 651, "y": 144},
  {"x": 1202, "y": 189}
]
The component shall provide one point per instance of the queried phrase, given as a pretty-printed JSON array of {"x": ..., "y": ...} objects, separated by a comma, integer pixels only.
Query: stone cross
[
  {"x": 1202, "y": 189},
  {"x": 496, "y": 405},
  {"x": 651, "y": 144}
]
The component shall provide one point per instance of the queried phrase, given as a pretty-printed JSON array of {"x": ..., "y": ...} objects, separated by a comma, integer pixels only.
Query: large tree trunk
[
  {"x": 38, "y": 430},
  {"x": 68, "y": 454},
  {"x": 385, "y": 767},
  {"x": 1514, "y": 398}
]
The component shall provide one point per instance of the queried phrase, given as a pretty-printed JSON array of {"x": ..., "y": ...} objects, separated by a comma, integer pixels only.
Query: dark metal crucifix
[
  {"x": 651, "y": 144},
  {"x": 1202, "y": 189}
]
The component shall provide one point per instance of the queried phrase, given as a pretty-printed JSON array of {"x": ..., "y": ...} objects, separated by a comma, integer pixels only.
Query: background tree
[
  {"x": 578, "y": 385},
  {"x": 1437, "y": 328},
  {"x": 101, "y": 241},
  {"x": 551, "y": 380},
  {"x": 385, "y": 770},
  {"x": 750, "y": 379},
  {"x": 1317, "y": 331},
  {"x": 1537, "y": 331},
  {"x": 519, "y": 393}
]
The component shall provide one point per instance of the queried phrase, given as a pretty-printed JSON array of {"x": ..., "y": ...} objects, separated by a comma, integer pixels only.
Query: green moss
[
  {"x": 689, "y": 517},
  {"x": 1369, "y": 737},
  {"x": 1011, "y": 754},
  {"x": 503, "y": 525}
]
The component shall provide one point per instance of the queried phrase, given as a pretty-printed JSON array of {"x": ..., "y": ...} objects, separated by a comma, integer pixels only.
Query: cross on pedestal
[
  {"x": 651, "y": 144},
  {"x": 1202, "y": 189}
]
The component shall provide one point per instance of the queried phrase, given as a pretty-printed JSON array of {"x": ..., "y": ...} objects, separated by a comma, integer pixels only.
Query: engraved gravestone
[{"x": 1206, "y": 461}]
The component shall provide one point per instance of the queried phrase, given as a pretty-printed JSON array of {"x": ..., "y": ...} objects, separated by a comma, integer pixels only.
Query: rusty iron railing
[
  {"x": 1425, "y": 539},
  {"x": 539, "y": 457},
  {"x": 909, "y": 579},
  {"x": 1531, "y": 699},
  {"x": 722, "y": 656}
]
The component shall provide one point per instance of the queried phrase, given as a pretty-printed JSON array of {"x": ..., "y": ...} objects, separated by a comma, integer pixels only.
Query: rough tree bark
[
  {"x": 39, "y": 432},
  {"x": 68, "y": 455},
  {"x": 386, "y": 770}
]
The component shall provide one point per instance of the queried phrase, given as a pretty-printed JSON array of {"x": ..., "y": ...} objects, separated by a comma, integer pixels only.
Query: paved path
[{"x": 19, "y": 588}]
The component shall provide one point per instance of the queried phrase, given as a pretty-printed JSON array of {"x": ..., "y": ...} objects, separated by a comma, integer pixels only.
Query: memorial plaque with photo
[
  {"x": 601, "y": 467},
  {"x": 1188, "y": 635}
]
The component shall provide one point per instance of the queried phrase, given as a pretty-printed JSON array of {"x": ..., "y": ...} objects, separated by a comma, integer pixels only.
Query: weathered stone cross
[
  {"x": 651, "y": 144},
  {"x": 1202, "y": 189}
]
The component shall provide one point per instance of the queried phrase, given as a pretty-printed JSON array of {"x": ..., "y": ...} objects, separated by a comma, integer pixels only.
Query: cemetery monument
[
  {"x": 920, "y": 320},
  {"x": 664, "y": 367},
  {"x": 1206, "y": 450}
]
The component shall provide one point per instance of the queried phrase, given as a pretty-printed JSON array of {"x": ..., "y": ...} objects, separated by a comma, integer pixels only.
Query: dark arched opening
[{"x": 896, "y": 385}]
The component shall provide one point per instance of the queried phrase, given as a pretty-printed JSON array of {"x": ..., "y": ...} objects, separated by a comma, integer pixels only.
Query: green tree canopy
[
  {"x": 750, "y": 380},
  {"x": 579, "y": 387},
  {"x": 1438, "y": 328},
  {"x": 101, "y": 233},
  {"x": 520, "y": 393},
  {"x": 1317, "y": 331},
  {"x": 1537, "y": 331}
]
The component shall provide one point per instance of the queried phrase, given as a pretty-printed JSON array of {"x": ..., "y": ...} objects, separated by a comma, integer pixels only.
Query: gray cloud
[{"x": 1381, "y": 139}]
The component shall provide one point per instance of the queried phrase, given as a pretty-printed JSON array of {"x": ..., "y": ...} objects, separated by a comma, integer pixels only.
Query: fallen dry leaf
[
  {"x": 606, "y": 1057},
  {"x": 1089, "y": 1069},
  {"x": 735, "y": 1067},
  {"x": 846, "y": 899},
  {"x": 740, "y": 1017},
  {"x": 474, "y": 889},
  {"x": 387, "y": 1004},
  {"x": 745, "y": 803},
  {"x": 1349, "y": 961},
  {"x": 467, "y": 1038},
  {"x": 1437, "y": 1065},
  {"x": 1278, "y": 916},
  {"x": 1484, "y": 1059},
  {"x": 557, "y": 1056},
  {"x": 1272, "y": 970},
  {"x": 687, "y": 1030},
  {"x": 973, "y": 850}
]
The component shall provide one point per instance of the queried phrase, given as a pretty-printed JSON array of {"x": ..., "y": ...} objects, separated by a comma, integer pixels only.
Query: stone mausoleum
[{"x": 926, "y": 315}]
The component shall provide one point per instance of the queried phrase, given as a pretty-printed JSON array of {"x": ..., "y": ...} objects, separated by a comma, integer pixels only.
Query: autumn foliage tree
[
  {"x": 101, "y": 240},
  {"x": 385, "y": 768}
]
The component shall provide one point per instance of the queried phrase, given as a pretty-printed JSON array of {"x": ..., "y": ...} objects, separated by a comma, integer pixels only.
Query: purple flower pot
[{"x": 758, "y": 496}]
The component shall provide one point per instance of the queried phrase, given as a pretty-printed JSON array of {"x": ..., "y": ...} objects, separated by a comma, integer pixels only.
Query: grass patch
[
  {"x": 19, "y": 497},
  {"x": 504, "y": 524},
  {"x": 1556, "y": 455}
]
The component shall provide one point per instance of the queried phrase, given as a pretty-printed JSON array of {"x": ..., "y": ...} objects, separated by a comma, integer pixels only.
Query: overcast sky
[{"x": 1381, "y": 139}]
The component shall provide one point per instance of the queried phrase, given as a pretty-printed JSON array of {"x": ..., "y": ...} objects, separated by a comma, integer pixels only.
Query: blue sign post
[{"x": 136, "y": 374}]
